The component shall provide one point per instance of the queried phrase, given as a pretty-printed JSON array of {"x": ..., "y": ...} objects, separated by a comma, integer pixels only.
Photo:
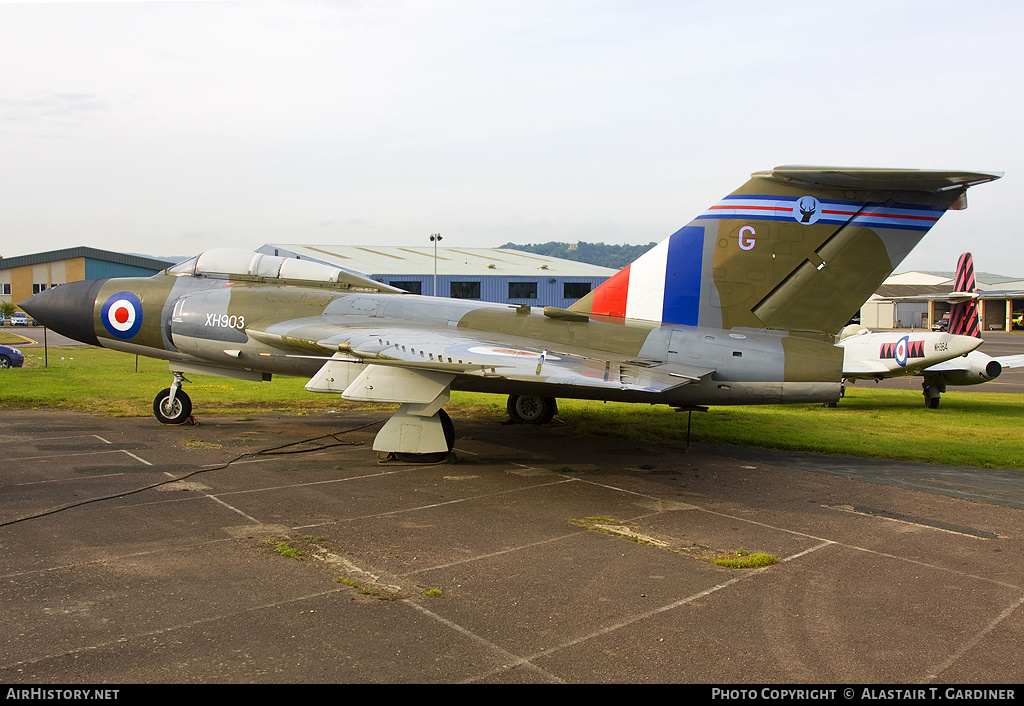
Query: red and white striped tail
[{"x": 963, "y": 318}]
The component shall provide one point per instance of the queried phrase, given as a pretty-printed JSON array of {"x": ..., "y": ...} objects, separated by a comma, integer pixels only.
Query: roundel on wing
[
  {"x": 122, "y": 315},
  {"x": 511, "y": 352}
]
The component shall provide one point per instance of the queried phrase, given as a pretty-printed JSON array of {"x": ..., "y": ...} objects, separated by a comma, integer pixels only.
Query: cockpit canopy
[{"x": 243, "y": 264}]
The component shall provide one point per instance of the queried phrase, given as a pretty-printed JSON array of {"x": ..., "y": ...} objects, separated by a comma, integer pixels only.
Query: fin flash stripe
[{"x": 663, "y": 285}]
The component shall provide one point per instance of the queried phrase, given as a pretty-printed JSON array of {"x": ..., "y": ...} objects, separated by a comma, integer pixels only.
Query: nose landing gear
[{"x": 172, "y": 405}]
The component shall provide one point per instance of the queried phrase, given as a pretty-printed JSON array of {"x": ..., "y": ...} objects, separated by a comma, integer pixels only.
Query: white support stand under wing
[
  {"x": 416, "y": 427},
  {"x": 409, "y": 433}
]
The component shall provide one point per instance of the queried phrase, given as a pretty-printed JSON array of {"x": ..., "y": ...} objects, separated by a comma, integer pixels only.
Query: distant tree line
[{"x": 614, "y": 256}]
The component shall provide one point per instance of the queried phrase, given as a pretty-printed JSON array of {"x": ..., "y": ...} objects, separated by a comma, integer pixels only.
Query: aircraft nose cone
[{"x": 67, "y": 309}]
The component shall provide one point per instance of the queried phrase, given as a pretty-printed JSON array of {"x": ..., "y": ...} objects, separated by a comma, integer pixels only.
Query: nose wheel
[{"x": 173, "y": 405}]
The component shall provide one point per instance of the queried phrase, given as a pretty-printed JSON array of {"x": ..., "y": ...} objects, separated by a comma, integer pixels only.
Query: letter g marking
[{"x": 747, "y": 243}]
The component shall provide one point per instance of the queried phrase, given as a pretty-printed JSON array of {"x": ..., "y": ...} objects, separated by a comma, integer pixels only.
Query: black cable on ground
[{"x": 273, "y": 451}]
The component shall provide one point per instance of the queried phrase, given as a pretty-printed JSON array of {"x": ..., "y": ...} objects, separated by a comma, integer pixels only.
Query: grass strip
[{"x": 970, "y": 428}]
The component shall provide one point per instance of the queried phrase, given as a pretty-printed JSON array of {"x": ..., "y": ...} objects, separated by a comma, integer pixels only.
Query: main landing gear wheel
[
  {"x": 932, "y": 392},
  {"x": 177, "y": 411},
  {"x": 449, "y": 438},
  {"x": 531, "y": 409}
]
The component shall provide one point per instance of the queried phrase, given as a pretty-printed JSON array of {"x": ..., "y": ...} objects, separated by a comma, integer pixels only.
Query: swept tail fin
[
  {"x": 964, "y": 317},
  {"x": 795, "y": 248}
]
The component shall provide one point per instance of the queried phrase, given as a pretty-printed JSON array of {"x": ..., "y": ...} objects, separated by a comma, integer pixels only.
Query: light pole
[{"x": 435, "y": 238}]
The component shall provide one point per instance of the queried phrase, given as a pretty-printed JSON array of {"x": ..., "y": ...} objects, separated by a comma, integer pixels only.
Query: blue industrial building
[
  {"x": 25, "y": 275},
  {"x": 485, "y": 274}
]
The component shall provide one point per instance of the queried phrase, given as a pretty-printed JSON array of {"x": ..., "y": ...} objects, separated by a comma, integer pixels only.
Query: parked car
[
  {"x": 942, "y": 324},
  {"x": 19, "y": 318},
  {"x": 10, "y": 357},
  {"x": 1018, "y": 319}
]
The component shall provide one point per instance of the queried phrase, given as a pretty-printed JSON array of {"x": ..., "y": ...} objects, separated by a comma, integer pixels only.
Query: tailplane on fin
[
  {"x": 964, "y": 318},
  {"x": 795, "y": 248}
]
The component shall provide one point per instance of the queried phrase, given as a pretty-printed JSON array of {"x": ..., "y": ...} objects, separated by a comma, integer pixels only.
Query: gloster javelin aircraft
[
  {"x": 741, "y": 306},
  {"x": 941, "y": 358}
]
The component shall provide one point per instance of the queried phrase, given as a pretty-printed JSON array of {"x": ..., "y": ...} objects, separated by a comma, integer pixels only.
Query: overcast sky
[{"x": 168, "y": 128}]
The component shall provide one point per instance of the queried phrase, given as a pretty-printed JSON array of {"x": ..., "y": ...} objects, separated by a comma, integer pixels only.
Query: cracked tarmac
[{"x": 485, "y": 570}]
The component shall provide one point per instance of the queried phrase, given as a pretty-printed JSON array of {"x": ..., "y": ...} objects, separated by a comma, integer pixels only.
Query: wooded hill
[{"x": 614, "y": 256}]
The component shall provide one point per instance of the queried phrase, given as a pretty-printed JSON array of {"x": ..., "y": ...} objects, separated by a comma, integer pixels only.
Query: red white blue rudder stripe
[{"x": 664, "y": 284}]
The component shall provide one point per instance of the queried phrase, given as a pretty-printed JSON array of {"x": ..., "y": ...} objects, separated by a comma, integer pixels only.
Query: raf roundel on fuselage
[{"x": 121, "y": 315}]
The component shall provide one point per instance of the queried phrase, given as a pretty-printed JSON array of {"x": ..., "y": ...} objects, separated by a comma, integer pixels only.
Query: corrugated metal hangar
[
  {"x": 912, "y": 300},
  {"x": 488, "y": 274}
]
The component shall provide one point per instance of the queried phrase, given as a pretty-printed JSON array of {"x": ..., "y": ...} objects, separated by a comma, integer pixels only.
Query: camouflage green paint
[
  {"x": 810, "y": 277},
  {"x": 810, "y": 358},
  {"x": 153, "y": 293},
  {"x": 595, "y": 335}
]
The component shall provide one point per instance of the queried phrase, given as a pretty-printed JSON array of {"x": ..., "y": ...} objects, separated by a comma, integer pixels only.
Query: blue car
[{"x": 10, "y": 357}]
